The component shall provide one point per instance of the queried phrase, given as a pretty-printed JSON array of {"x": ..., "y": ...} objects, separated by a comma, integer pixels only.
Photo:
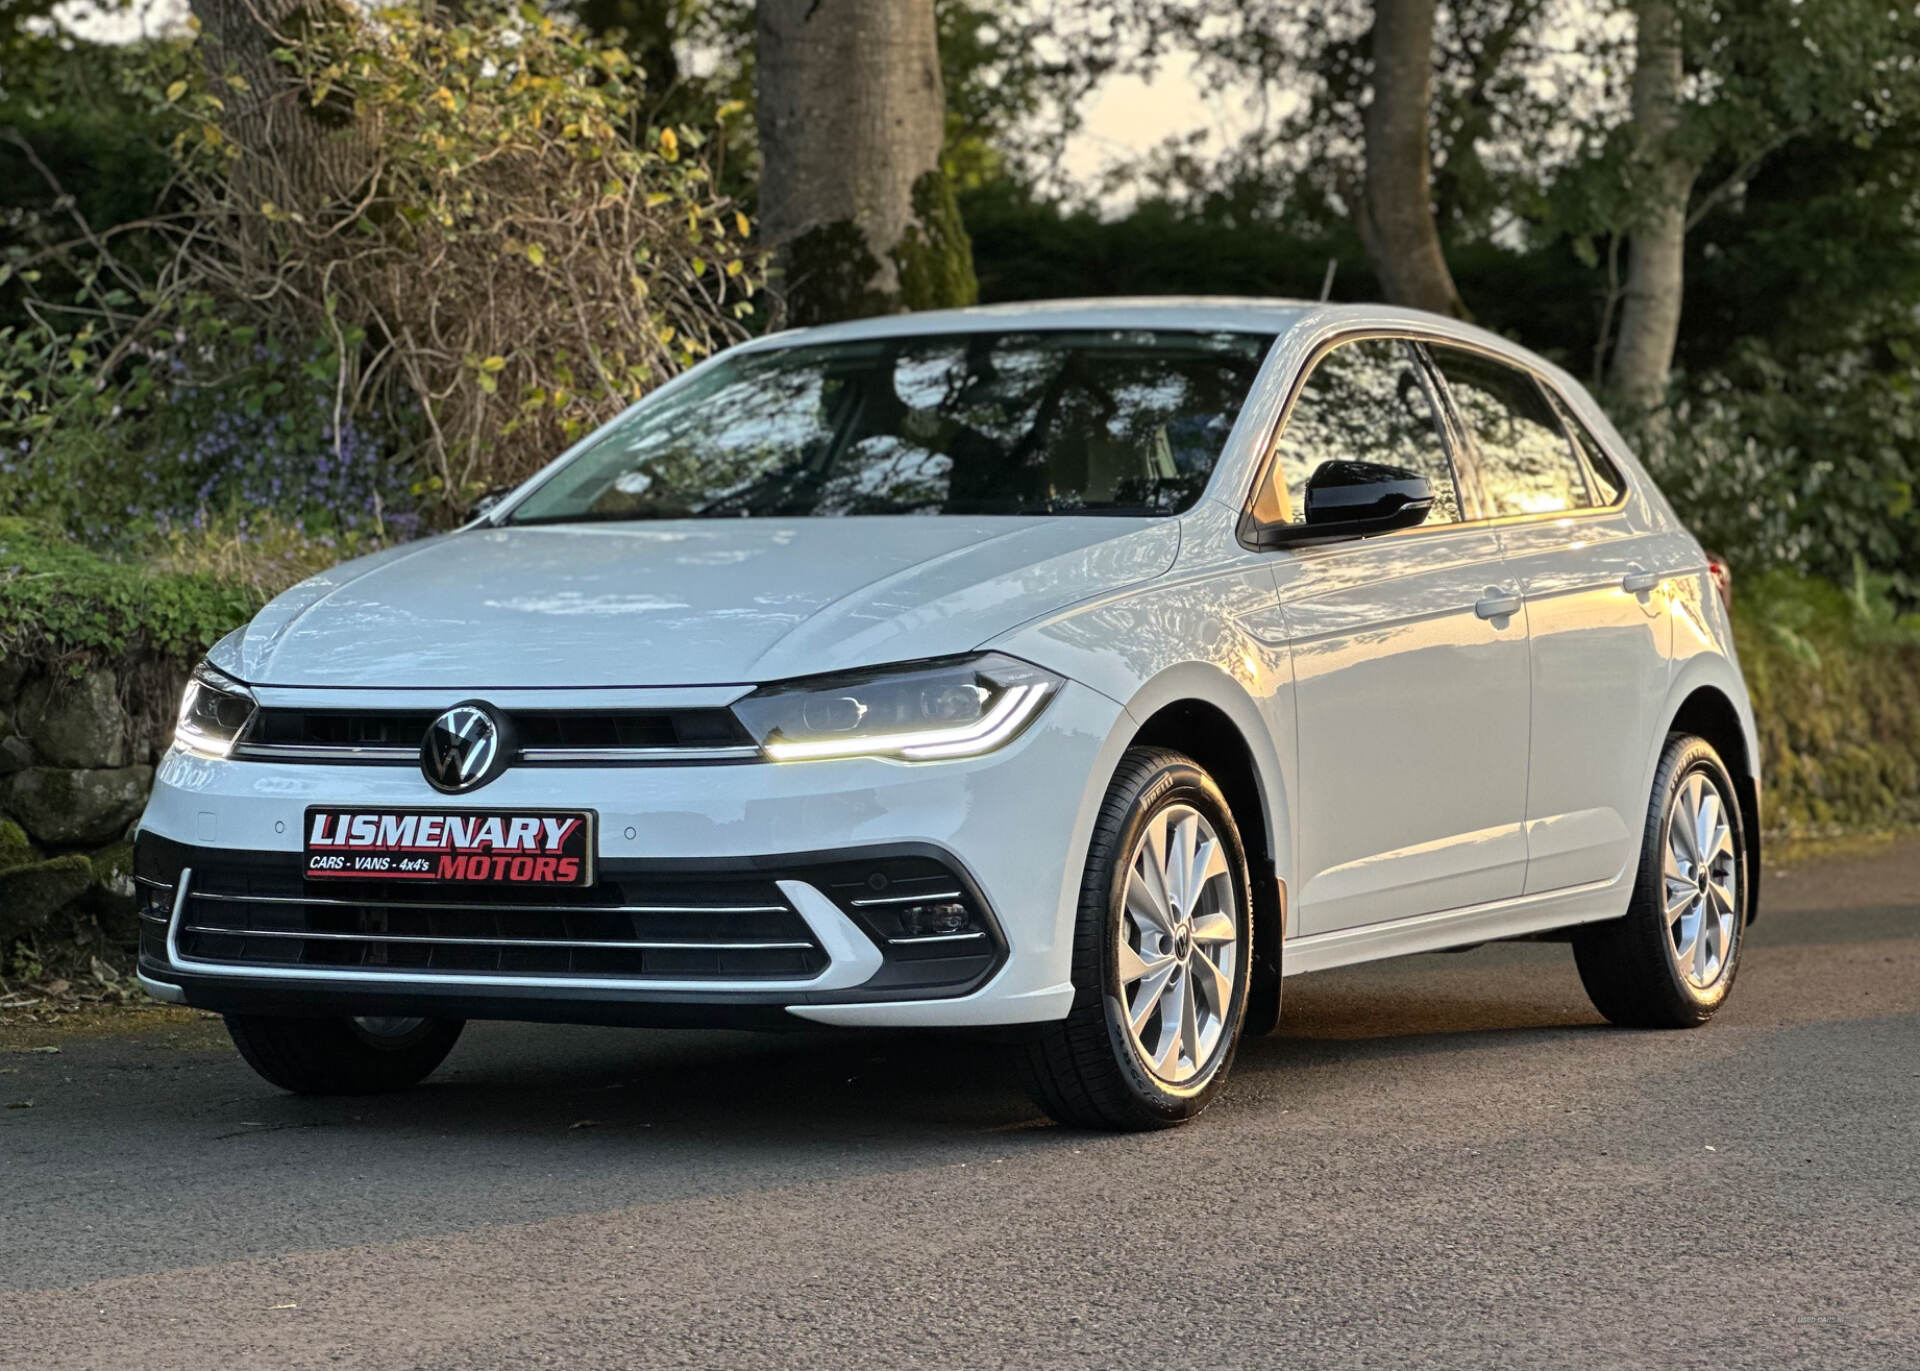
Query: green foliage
[
  {"x": 221, "y": 430},
  {"x": 1029, "y": 248},
  {"x": 934, "y": 257},
  {"x": 60, "y": 601},
  {"x": 655, "y": 34},
  {"x": 1833, "y": 674},
  {"x": 830, "y": 273},
  {"x": 85, "y": 132},
  {"x": 82, "y": 161},
  {"x": 1014, "y": 91},
  {"x": 530, "y": 253},
  {"x": 1809, "y": 463},
  {"x": 498, "y": 252}
]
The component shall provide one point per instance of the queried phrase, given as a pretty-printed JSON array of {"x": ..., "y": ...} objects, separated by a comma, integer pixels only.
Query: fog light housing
[{"x": 935, "y": 918}]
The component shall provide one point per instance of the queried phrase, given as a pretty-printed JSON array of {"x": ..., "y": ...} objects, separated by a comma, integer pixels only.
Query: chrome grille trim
[
  {"x": 527, "y": 756},
  {"x": 475, "y": 907},
  {"x": 850, "y": 956},
  {"x": 909, "y": 899},
  {"x": 435, "y": 940},
  {"x": 632, "y": 756},
  {"x": 314, "y": 752}
]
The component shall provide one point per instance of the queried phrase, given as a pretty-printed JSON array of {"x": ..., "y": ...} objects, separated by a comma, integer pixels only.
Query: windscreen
[{"x": 1125, "y": 421}]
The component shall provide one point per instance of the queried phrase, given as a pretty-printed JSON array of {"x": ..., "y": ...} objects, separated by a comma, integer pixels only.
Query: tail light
[{"x": 1722, "y": 575}]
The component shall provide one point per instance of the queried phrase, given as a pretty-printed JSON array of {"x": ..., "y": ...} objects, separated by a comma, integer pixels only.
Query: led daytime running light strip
[
  {"x": 984, "y": 734},
  {"x": 190, "y": 739}
]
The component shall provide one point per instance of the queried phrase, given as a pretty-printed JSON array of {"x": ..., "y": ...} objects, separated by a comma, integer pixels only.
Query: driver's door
[{"x": 1410, "y": 663}]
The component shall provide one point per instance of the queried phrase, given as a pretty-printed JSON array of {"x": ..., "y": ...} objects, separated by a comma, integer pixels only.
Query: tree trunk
[
  {"x": 1656, "y": 252},
  {"x": 295, "y": 153},
  {"x": 1395, "y": 215},
  {"x": 852, "y": 119}
]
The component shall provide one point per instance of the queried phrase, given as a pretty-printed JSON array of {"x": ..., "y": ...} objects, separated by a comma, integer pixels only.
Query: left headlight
[
  {"x": 213, "y": 713},
  {"x": 922, "y": 712}
]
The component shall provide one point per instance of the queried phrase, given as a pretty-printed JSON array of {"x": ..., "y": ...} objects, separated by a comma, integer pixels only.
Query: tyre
[
  {"x": 343, "y": 1056},
  {"x": 1671, "y": 961},
  {"x": 1161, "y": 956}
]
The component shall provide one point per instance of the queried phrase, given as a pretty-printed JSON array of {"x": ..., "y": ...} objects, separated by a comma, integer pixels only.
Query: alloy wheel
[
  {"x": 1179, "y": 938},
  {"x": 1701, "y": 871}
]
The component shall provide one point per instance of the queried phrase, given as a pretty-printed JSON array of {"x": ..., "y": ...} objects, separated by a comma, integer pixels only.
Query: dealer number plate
[{"x": 465, "y": 846}]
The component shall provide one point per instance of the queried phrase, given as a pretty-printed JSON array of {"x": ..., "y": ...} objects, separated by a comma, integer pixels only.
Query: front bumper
[{"x": 1009, "y": 829}]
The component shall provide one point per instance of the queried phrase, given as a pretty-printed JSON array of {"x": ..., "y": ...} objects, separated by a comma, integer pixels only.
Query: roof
[
  {"x": 1246, "y": 314},
  {"x": 1236, "y": 313}
]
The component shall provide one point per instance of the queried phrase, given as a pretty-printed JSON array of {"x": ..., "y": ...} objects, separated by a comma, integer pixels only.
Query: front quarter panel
[{"x": 1209, "y": 631}]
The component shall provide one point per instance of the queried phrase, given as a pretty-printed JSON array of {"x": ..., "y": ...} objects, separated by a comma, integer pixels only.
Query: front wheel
[
  {"x": 1671, "y": 961},
  {"x": 362, "y": 1056},
  {"x": 1161, "y": 955}
]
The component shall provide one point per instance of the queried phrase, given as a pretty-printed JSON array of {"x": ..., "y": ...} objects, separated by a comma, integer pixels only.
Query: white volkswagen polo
[{"x": 1080, "y": 670}]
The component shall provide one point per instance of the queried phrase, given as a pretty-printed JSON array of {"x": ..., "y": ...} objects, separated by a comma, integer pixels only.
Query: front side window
[
  {"x": 1527, "y": 463},
  {"x": 1365, "y": 401},
  {"x": 1116, "y": 421}
]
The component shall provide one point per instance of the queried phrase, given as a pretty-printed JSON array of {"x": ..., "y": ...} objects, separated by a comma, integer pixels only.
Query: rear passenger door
[
  {"x": 1597, "y": 618},
  {"x": 1410, "y": 665}
]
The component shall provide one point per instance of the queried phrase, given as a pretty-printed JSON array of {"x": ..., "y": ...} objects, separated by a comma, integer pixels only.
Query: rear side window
[
  {"x": 1608, "y": 484},
  {"x": 1367, "y": 401},
  {"x": 1527, "y": 463}
]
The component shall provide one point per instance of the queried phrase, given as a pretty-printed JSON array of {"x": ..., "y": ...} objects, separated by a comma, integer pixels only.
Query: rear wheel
[
  {"x": 1671, "y": 961},
  {"x": 362, "y": 1056},
  {"x": 1161, "y": 955}
]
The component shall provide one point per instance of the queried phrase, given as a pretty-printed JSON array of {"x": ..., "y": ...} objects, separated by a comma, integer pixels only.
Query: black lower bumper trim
[
  {"x": 863, "y": 882},
  {"x": 298, "y": 999}
]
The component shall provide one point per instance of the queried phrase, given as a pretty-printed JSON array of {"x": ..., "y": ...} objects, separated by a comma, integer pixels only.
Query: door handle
[
  {"x": 1638, "y": 580},
  {"x": 1497, "y": 603}
]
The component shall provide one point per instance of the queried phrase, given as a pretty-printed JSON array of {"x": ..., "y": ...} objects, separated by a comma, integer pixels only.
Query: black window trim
[
  {"x": 1461, "y": 455},
  {"x": 1450, "y": 443},
  {"x": 1563, "y": 411},
  {"x": 1588, "y": 444}
]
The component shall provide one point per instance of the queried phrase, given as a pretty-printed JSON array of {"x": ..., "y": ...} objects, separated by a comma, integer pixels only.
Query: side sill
[{"x": 1449, "y": 928}]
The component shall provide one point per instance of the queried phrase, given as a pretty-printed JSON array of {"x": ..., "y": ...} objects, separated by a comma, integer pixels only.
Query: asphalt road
[{"x": 1444, "y": 1161}]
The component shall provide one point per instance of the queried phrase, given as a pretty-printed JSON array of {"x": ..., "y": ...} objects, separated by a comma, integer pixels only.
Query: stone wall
[{"x": 75, "y": 766}]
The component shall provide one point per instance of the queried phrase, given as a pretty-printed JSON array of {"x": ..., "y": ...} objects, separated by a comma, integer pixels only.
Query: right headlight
[
  {"x": 213, "y": 713},
  {"x": 923, "y": 711}
]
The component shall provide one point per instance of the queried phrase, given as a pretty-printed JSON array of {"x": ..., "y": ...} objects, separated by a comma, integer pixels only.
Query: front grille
[
  {"x": 545, "y": 736},
  {"x": 724, "y": 930},
  {"x": 337, "y": 728}
]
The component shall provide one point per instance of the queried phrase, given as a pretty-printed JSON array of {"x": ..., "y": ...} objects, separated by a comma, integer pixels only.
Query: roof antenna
[{"x": 1326, "y": 282}]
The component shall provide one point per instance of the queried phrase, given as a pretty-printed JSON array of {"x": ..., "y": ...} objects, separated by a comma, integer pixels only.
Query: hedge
[
  {"x": 61, "y": 602},
  {"x": 1835, "y": 679}
]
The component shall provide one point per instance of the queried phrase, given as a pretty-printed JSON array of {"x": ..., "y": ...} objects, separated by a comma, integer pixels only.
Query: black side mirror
[
  {"x": 1352, "y": 500},
  {"x": 483, "y": 506}
]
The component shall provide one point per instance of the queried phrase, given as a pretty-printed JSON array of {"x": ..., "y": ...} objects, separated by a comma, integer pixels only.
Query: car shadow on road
[{"x": 861, "y": 1087}]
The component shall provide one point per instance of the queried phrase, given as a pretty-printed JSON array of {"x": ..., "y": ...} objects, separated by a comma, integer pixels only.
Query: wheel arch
[
  {"x": 1202, "y": 729},
  {"x": 1707, "y": 710}
]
